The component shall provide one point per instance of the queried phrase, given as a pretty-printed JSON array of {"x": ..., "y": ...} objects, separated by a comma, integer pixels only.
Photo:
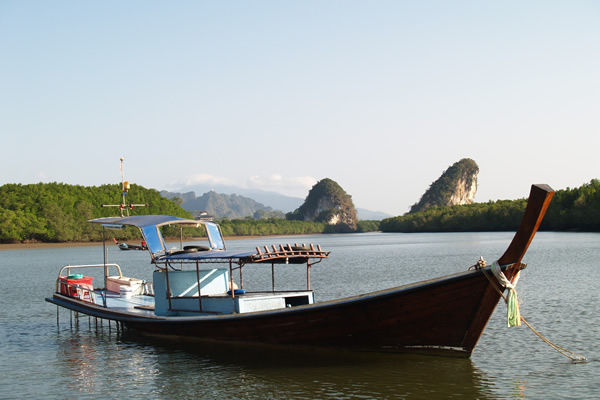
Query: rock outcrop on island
[
  {"x": 328, "y": 202},
  {"x": 456, "y": 186}
]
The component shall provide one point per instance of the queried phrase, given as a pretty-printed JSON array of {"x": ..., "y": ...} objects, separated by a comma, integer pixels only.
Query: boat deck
[
  {"x": 144, "y": 305},
  {"x": 137, "y": 304}
]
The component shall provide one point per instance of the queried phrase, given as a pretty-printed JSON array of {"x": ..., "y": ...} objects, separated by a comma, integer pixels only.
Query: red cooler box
[{"x": 85, "y": 282}]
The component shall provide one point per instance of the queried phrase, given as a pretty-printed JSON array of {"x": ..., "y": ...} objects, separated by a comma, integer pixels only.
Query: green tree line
[
  {"x": 273, "y": 226},
  {"x": 570, "y": 209},
  {"x": 57, "y": 212},
  {"x": 278, "y": 226}
]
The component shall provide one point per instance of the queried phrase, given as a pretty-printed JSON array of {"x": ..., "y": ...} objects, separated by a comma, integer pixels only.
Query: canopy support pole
[
  {"x": 199, "y": 291},
  {"x": 273, "y": 276}
]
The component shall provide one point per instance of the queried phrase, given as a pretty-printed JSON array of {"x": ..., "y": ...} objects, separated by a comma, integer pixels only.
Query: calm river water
[{"x": 43, "y": 358}]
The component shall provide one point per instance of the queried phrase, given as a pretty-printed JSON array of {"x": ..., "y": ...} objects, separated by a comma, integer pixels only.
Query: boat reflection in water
[{"x": 192, "y": 369}]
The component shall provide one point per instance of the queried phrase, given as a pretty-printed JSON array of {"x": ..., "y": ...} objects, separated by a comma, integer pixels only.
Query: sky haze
[{"x": 379, "y": 96}]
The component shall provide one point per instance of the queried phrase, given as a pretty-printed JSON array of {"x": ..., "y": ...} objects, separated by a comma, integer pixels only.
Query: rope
[{"x": 577, "y": 358}]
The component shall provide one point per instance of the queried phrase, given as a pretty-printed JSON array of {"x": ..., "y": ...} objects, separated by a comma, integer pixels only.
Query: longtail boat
[{"x": 194, "y": 294}]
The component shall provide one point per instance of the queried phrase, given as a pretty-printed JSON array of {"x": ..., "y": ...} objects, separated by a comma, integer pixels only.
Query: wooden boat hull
[
  {"x": 432, "y": 316},
  {"x": 125, "y": 246}
]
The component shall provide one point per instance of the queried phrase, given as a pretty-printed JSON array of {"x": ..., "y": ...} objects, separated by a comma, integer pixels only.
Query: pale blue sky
[{"x": 380, "y": 96}]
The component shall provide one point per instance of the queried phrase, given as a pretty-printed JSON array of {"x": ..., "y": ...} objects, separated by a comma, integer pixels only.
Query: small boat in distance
[
  {"x": 198, "y": 292},
  {"x": 127, "y": 246}
]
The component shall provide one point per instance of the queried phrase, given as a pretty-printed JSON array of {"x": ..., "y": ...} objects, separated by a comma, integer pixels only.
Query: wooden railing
[{"x": 289, "y": 251}]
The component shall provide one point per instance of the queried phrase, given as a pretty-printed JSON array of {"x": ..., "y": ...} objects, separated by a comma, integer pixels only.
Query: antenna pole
[{"x": 123, "y": 191}]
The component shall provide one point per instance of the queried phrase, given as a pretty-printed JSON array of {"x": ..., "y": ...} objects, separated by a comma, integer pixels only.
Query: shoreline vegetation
[
  {"x": 576, "y": 210},
  {"x": 59, "y": 213},
  {"x": 55, "y": 215}
]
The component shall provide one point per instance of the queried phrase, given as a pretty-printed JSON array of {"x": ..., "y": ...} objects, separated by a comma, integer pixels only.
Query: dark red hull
[{"x": 431, "y": 316}]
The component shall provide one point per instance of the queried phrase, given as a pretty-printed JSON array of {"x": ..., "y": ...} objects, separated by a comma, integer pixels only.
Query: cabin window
[
  {"x": 214, "y": 236},
  {"x": 153, "y": 239},
  {"x": 296, "y": 301}
]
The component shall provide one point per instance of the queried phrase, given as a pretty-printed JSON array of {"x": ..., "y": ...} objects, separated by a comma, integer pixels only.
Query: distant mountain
[
  {"x": 223, "y": 205},
  {"x": 271, "y": 199},
  {"x": 368, "y": 215},
  {"x": 275, "y": 201}
]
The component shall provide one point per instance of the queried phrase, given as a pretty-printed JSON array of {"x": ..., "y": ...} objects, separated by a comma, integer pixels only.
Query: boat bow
[{"x": 540, "y": 197}]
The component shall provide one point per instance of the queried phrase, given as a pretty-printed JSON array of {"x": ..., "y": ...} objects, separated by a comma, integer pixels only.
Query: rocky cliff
[
  {"x": 328, "y": 202},
  {"x": 457, "y": 185}
]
